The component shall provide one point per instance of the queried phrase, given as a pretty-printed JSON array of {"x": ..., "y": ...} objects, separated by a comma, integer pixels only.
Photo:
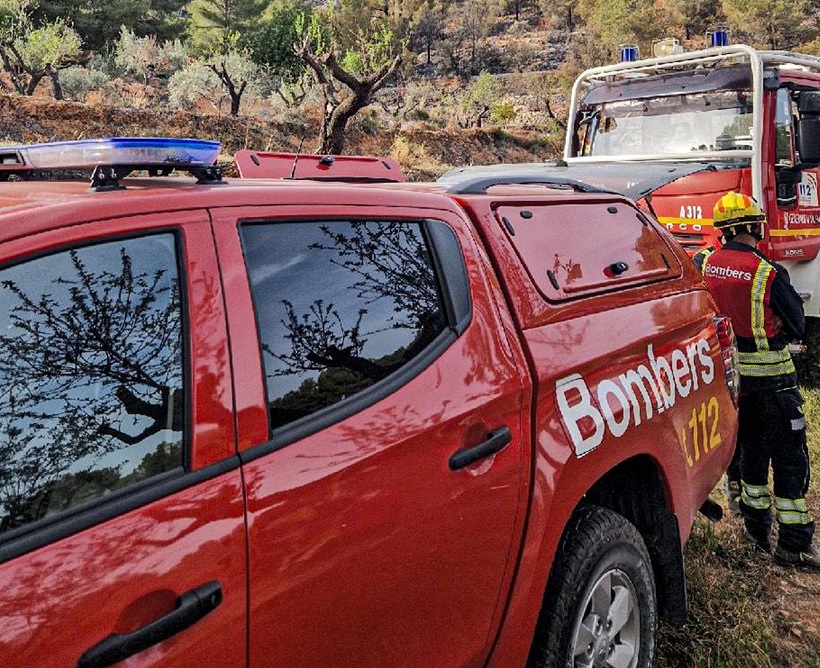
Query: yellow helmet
[{"x": 736, "y": 212}]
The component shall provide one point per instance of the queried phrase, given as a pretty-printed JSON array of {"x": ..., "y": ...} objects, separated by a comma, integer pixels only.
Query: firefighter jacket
[
  {"x": 766, "y": 312},
  {"x": 701, "y": 256}
]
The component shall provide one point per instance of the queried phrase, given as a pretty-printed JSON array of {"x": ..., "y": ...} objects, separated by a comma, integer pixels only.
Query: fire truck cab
[{"x": 751, "y": 117}]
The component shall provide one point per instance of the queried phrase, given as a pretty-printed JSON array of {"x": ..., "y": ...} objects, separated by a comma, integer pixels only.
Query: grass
[{"x": 743, "y": 610}]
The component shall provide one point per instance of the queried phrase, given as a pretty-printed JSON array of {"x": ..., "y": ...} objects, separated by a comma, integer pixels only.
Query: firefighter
[
  {"x": 732, "y": 480},
  {"x": 767, "y": 314}
]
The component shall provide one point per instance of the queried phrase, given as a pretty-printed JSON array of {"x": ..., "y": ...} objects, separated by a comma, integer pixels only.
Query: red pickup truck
[{"x": 294, "y": 422}]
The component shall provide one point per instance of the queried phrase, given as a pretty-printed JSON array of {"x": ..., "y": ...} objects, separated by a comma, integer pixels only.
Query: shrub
[
  {"x": 78, "y": 82},
  {"x": 189, "y": 88},
  {"x": 502, "y": 112},
  {"x": 145, "y": 57}
]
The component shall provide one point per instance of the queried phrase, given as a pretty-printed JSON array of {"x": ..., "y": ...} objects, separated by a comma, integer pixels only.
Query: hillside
[{"x": 422, "y": 152}]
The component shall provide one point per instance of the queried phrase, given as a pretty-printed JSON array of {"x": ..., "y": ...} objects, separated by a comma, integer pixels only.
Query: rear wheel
[{"x": 600, "y": 610}]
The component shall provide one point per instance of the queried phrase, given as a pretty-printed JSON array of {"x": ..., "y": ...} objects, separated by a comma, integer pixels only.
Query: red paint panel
[{"x": 366, "y": 549}]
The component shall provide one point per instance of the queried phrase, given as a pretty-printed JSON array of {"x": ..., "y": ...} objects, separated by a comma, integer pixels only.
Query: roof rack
[
  {"x": 113, "y": 159},
  {"x": 478, "y": 185},
  {"x": 348, "y": 168}
]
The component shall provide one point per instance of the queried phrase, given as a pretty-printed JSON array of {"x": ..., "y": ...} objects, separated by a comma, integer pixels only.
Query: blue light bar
[
  {"x": 719, "y": 37},
  {"x": 629, "y": 52},
  {"x": 136, "y": 151}
]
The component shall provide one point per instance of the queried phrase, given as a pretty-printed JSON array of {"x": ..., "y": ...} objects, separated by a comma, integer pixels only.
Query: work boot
[
  {"x": 732, "y": 490},
  {"x": 761, "y": 545},
  {"x": 809, "y": 558}
]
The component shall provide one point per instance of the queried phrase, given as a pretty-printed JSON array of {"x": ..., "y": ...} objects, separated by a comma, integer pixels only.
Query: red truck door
[
  {"x": 122, "y": 533},
  {"x": 384, "y": 453},
  {"x": 793, "y": 231}
]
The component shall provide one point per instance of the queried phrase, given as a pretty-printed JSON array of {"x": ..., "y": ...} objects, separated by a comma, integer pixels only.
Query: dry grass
[{"x": 744, "y": 610}]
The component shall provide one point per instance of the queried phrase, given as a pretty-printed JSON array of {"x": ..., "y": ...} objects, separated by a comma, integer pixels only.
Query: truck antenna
[{"x": 296, "y": 157}]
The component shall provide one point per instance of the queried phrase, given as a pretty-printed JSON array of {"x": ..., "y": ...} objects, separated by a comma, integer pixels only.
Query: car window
[
  {"x": 341, "y": 306},
  {"x": 90, "y": 374}
]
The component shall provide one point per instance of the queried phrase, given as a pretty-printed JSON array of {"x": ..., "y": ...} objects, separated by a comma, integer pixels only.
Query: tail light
[{"x": 728, "y": 348}]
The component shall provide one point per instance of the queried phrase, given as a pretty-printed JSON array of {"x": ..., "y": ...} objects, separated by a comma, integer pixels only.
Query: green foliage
[
  {"x": 773, "y": 24},
  {"x": 360, "y": 39},
  {"x": 614, "y": 22},
  {"x": 56, "y": 43},
  {"x": 29, "y": 52},
  {"x": 217, "y": 25},
  {"x": 145, "y": 57},
  {"x": 192, "y": 86},
  {"x": 271, "y": 42},
  {"x": 97, "y": 23},
  {"x": 78, "y": 82},
  {"x": 311, "y": 29},
  {"x": 14, "y": 17},
  {"x": 502, "y": 112},
  {"x": 214, "y": 80},
  {"x": 688, "y": 19}
]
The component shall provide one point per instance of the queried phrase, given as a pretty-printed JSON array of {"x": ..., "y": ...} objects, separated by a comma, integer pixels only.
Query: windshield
[{"x": 669, "y": 125}]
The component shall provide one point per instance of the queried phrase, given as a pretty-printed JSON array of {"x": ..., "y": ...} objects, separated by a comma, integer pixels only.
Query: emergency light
[
  {"x": 144, "y": 152},
  {"x": 666, "y": 47},
  {"x": 718, "y": 37},
  {"x": 629, "y": 52}
]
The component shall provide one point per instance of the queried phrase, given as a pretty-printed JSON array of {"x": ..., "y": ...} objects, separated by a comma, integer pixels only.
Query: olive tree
[
  {"x": 30, "y": 52},
  {"x": 349, "y": 66}
]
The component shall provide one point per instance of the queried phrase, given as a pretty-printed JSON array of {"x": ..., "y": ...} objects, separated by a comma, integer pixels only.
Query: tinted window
[
  {"x": 90, "y": 374},
  {"x": 340, "y": 305}
]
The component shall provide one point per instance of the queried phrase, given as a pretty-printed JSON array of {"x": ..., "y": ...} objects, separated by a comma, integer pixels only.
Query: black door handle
[
  {"x": 191, "y": 607},
  {"x": 498, "y": 440}
]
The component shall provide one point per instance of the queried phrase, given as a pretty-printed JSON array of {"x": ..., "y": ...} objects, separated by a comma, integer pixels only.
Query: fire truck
[{"x": 728, "y": 117}]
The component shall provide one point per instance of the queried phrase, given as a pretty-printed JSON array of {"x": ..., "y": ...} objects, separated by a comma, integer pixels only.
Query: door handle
[
  {"x": 191, "y": 607},
  {"x": 497, "y": 440}
]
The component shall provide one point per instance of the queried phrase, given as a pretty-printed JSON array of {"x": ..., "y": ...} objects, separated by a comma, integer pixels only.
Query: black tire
[{"x": 600, "y": 608}]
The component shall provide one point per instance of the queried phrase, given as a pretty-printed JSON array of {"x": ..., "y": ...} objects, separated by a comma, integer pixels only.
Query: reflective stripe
[
  {"x": 792, "y": 517},
  {"x": 758, "y": 370},
  {"x": 791, "y": 504},
  {"x": 702, "y": 257},
  {"x": 764, "y": 357},
  {"x": 758, "y": 293},
  {"x": 755, "y": 496},
  {"x": 791, "y": 511}
]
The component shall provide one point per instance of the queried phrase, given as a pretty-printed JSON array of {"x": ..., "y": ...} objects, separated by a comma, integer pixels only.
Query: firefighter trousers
[{"x": 772, "y": 433}]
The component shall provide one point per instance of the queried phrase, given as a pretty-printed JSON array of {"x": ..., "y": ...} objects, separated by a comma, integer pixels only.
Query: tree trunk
[
  {"x": 33, "y": 82},
  {"x": 56, "y": 86},
  {"x": 336, "y": 114}
]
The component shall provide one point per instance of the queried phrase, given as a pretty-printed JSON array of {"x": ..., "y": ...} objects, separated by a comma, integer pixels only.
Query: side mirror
[
  {"x": 808, "y": 140},
  {"x": 809, "y": 103},
  {"x": 808, "y": 127}
]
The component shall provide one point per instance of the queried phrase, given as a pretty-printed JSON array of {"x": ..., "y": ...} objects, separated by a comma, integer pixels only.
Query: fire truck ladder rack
[{"x": 757, "y": 61}]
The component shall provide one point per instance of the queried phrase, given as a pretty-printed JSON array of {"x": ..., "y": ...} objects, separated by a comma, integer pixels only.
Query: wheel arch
[{"x": 637, "y": 490}]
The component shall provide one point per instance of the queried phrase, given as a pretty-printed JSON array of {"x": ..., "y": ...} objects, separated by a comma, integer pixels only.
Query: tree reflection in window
[
  {"x": 341, "y": 305},
  {"x": 90, "y": 374}
]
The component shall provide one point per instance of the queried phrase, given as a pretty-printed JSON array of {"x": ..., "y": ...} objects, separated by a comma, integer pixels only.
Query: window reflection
[
  {"x": 341, "y": 305},
  {"x": 90, "y": 374}
]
